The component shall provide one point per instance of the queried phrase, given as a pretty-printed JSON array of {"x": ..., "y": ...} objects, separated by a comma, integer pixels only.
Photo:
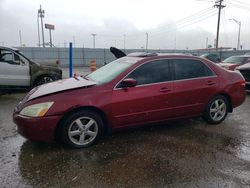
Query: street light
[{"x": 239, "y": 23}]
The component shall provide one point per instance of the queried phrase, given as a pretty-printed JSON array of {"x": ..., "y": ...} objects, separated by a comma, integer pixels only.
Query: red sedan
[{"x": 130, "y": 91}]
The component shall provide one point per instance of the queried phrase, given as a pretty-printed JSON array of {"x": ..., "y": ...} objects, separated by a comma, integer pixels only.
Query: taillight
[{"x": 242, "y": 82}]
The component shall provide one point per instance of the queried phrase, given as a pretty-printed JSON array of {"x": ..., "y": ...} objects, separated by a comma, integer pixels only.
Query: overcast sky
[{"x": 170, "y": 24}]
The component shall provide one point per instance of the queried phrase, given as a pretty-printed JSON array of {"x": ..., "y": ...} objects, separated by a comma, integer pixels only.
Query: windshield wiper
[{"x": 85, "y": 77}]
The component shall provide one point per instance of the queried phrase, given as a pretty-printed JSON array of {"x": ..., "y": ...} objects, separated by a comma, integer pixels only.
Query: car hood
[
  {"x": 48, "y": 67},
  {"x": 58, "y": 86}
]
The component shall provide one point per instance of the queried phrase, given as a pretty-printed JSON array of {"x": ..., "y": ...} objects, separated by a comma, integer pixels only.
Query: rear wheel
[
  {"x": 216, "y": 110},
  {"x": 81, "y": 129}
]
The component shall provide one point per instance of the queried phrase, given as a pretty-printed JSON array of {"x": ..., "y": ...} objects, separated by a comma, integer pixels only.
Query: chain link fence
[{"x": 82, "y": 56}]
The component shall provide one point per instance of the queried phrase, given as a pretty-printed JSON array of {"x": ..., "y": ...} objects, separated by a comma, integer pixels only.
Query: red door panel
[
  {"x": 193, "y": 95},
  {"x": 142, "y": 104}
]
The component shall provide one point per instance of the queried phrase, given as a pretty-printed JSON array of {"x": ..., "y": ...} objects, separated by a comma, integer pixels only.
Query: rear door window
[{"x": 190, "y": 68}]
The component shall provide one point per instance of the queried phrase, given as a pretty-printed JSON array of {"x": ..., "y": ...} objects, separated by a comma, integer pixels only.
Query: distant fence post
[
  {"x": 70, "y": 60},
  {"x": 83, "y": 57},
  {"x": 104, "y": 56},
  {"x": 32, "y": 53}
]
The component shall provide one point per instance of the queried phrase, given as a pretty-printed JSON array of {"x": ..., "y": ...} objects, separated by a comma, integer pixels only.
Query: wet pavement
[{"x": 186, "y": 153}]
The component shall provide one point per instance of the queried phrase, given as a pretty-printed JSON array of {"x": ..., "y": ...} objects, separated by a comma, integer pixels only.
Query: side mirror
[{"x": 128, "y": 82}]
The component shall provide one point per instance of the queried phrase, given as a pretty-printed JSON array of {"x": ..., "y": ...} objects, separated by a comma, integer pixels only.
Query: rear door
[
  {"x": 149, "y": 101},
  {"x": 14, "y": 69},
  {"x": 195, "y": 83}
]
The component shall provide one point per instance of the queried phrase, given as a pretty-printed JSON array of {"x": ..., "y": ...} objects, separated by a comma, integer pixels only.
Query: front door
[
  {"x": 14, "y": 70},
  {"x": 149, "y": 101}
]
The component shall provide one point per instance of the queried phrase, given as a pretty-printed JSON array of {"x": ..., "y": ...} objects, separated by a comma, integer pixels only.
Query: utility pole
[
  {"x": 147, "y": 41},
  {"x": 20, "y": 36},
  {"x": 41, "y": 15},
  {"x": 218, "y": 4},
  {"x": 239, "y": 37},
  {"x": 206, "y": 43},
  {"x": 93, "y": 35},
  {"x": 38, "y": 29}
]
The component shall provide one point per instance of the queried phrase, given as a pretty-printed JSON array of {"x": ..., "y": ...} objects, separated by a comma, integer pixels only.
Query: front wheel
[
  {"x": 216, "y": 110},
  {"x": 81, "y": 129}
]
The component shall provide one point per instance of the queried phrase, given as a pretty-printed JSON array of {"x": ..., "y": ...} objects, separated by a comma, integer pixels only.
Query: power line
[
  {"x": 239, "y": 6},
  {"x": 191, "y": 17},
  {"x": 188, "y": 23},
  {"x": 198, "y": 14},
  {"x": 241, "y": 2},
  {"x": 198, "y": 20},
  {"x": 184, "y": 22}
]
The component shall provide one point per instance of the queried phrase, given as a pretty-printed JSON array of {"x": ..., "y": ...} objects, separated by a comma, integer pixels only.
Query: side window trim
[
  {"x": 174, "y": 72},
  {"x": 169, "y": 70},
  {"x": 7, "y": 53},
  {"x": 21, "y": 56},
  {"x": 13, "y": 54}
]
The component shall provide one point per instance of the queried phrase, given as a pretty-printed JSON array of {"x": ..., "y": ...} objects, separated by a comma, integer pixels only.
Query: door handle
[
  {"x": 210, "y": 83},
  {"x": 164, "y": 89}
]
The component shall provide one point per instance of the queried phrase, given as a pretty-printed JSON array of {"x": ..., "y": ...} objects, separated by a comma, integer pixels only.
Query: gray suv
[{"x": 17, "y": 71}]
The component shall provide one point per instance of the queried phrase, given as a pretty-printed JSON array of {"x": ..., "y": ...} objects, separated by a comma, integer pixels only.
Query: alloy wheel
[
  {"x": 218, "y": 110},
  {"x": 83, "y": 131}
]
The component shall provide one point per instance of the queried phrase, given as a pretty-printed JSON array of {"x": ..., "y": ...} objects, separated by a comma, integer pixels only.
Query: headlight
[{"x": 36, "y": 110}]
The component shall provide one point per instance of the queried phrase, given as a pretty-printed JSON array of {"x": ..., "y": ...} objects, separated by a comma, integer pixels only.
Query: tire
[
  {"x": 216, "y": 110},
  {"x": 44, "y": 79},
  {"x": 81, "y": 129}
]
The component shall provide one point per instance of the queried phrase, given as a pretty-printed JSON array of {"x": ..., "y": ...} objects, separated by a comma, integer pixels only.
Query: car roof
[
  {"x": 146, "y": 55},
  {"x": 208, "y": 54},
  {"x": 240, "y": 56},
  {"x": 160, "y": 56},
  {"x": 9, "y": 48}
]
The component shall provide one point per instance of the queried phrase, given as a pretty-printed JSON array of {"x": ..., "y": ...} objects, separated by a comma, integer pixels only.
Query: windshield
[
  {"x": 204, "y": 55},
  {"x": 110, "y": 71},
  {"x": 234, "y": 60}
]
